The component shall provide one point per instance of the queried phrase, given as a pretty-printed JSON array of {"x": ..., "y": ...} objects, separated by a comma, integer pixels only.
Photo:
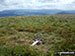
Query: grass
[{"x": 18, "y": 33}]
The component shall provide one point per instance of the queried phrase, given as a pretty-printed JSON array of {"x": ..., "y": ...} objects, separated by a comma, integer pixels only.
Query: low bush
[{"x": 19, "y": 50}]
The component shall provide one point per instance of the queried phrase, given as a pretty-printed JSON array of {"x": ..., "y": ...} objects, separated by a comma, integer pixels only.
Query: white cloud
[
  {"x": 56, "y": 1},
  {"x": 37, "y": 4},
  {"x": 59, "y": 4},
  {"x": 33, "y": 1}
]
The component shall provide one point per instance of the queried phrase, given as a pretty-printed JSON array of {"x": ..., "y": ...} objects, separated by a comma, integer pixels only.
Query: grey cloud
[
  {"x": 14, "y": 4},
  {"x": 73, "y": 3},
  {"x": 2, "y": 1}
]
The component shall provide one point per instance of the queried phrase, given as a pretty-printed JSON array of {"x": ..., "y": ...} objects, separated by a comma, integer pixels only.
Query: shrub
[{"x": 19, "y": 50}]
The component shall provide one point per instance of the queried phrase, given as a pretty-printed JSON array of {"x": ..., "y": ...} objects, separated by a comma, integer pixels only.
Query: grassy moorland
[{"x": 18, "y": 33}]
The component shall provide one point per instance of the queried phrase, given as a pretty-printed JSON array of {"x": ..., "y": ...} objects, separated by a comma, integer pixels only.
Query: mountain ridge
[{"x": 29, "y": 12}]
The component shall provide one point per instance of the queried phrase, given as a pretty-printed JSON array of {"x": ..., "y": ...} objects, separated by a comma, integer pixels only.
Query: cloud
[
  {"x": 56, "y": 1},
  {"x": 37, "y": 4},
  {"x": 58, "y": 4},
  {"x": 10, "y": 4},
  {"x": 33, "y": 1},
  {"x": 45, "y": 1}
]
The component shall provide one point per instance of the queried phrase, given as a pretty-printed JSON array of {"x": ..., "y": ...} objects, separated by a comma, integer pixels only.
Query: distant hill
[
  {"x": 22, "y": 12},
  {"x": 67, "y": 12},
  {"x": 28, "y": 12}
]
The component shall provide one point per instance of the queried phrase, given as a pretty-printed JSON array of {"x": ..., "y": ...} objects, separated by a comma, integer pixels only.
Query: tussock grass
[{"x": 18, "y": 32}]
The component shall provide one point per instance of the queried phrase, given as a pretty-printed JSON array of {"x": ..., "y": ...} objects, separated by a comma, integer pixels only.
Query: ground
[{"x": 18, "y": 33}]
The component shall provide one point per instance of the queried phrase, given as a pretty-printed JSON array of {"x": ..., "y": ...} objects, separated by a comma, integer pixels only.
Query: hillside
[{"x": 19, "y": 32}]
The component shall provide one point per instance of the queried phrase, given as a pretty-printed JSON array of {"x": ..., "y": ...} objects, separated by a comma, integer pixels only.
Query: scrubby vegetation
[{"x": 18, "y": 33}]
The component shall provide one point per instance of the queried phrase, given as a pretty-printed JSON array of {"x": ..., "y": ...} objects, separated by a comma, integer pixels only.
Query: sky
[{"x": 37, "y": 4}]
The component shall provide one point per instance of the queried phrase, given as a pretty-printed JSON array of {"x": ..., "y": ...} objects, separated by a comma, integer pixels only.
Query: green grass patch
[{"x": 18, "y": 33}]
